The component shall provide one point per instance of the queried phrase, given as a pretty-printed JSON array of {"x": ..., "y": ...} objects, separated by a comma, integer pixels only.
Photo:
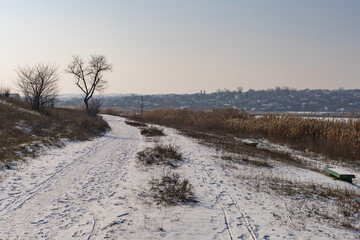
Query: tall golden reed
[{"x": 334, "y": 138}]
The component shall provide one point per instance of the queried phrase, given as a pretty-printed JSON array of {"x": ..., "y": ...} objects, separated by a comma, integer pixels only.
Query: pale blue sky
[{"x": 165, "y": 46}]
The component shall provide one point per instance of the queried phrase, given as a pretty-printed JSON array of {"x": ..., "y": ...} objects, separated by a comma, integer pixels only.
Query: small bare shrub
[
  {"x": 170, "y": 190},
  {"x": 152, "y": 131},
  {"x": 135, "y": 123},
  {"x": 160, "y": 154},
  {"x": 94, "y": 107}
]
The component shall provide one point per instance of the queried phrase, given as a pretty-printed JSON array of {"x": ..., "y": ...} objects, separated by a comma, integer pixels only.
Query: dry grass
[
  {"x": 234, "y": 150},
  {"x": 109, "y": 111},
  {"x": 23, "y": 131},
  {"x": 152, "y": 131},
  {"x": 170, "y": 190},
  {"x": 161, "y": 155},
  {"x": 135, "y": 123},
  {"x": 119, "y": 112},
  {"x": 336, "y": 139},
  {"x": 340, "y": 206},
  {"x": 246, "y": 160}
]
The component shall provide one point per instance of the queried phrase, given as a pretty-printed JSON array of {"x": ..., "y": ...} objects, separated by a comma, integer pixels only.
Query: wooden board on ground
[
  {"x": 250, "y": 142},
  {"x": 340, "y": 174}
]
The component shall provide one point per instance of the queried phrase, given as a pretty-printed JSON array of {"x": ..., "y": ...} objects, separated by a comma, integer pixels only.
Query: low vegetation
[
  {"x": 152, "y": 131},
  {"x": 337, "y": 205},
  {"x": 160, "y": 154},
  {"x": 109, "y": 111},
  {"x": 4, "y": 92},
  {"x": 235, "y": 150},
  {"x": 23, "y": 130},
  {"x": 135, "y": 123},
  {"x": 169, "y": 189},
  {"x": 246, "y": 160},
  {"x": 336, "y": 139}
]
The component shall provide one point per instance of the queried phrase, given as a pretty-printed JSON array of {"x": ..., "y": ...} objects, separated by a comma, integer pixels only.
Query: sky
[{"x": 184, "y": 46}]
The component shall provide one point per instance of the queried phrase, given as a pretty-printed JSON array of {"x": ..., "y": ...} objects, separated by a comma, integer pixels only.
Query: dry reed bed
[{"x": 335, "y": 139}]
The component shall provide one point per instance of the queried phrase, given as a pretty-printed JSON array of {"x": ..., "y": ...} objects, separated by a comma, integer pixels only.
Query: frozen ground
[{"x": 97, "y": 190}]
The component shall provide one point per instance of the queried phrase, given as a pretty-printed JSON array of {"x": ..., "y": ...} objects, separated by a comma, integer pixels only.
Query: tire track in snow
[
  {"x": 227, "y": 226},
  {"x": 76, "y": 197},
  {"x": 226, "y": 221},
  {"x": 109, "y": 161},
  {"x": 222, "y": 196},
  {"x": 240, "y": 210},
  {"x": 247, "y": 224},
  {"x": 39, "y": 187},
  {"x": 95, "y": 228}
]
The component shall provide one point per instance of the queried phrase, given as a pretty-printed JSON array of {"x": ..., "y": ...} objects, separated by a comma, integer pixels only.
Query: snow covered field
[{"x": 97, "y": 190}]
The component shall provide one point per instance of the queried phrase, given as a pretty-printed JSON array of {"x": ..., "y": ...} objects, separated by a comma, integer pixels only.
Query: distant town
[{"x": 278, "y": 99}]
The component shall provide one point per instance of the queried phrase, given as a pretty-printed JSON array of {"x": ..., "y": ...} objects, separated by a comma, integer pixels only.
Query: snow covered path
[
  {"x": 69, "y": 192},
  {"x": 97, "y": 190}
]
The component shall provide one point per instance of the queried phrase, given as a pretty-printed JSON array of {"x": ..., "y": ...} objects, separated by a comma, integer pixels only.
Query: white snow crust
[{"x": 98, "y": 190}]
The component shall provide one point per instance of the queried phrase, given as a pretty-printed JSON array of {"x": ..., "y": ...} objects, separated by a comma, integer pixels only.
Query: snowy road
[
  {"x": 97, "y": 190},
  {"x": 69, "y": 192}
]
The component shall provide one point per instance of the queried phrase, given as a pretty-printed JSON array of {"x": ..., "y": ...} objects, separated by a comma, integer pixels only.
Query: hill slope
[{"x": 23, "y": 131}]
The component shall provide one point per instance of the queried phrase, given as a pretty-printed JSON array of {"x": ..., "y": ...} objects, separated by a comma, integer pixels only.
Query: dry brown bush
[
  {"x": 135, "y": 124},
  {"x": 152, "y": 131},
  {"x": 170, "y": 190},
  {"x": 160, "y": 154},
  {"x": 336, "y": 139}
]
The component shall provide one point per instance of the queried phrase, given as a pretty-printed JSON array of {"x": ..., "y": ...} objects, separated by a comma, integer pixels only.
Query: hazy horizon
[
  {"x": 207, "y": 92},
  {"x": 186, "y": 46}
]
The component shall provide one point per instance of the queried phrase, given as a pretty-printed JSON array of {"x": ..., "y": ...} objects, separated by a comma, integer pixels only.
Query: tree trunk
[
  {"x": 86, "y": 101},
  {"x": 36, "y": 103}
]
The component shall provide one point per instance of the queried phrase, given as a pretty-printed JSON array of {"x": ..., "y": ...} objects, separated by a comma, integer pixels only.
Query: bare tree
[
  {"x": 89, "y": 78},
  {"x": 39, "y": 84}
]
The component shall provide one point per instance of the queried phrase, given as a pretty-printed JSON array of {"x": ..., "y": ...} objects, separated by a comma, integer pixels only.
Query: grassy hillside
[{"x": 23, "y": 131}]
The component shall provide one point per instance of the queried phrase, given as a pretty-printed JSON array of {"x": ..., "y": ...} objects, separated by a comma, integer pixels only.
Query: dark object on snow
[
  {"x": 250, "y": 142},
  {"x": 340, "y": 174}
]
